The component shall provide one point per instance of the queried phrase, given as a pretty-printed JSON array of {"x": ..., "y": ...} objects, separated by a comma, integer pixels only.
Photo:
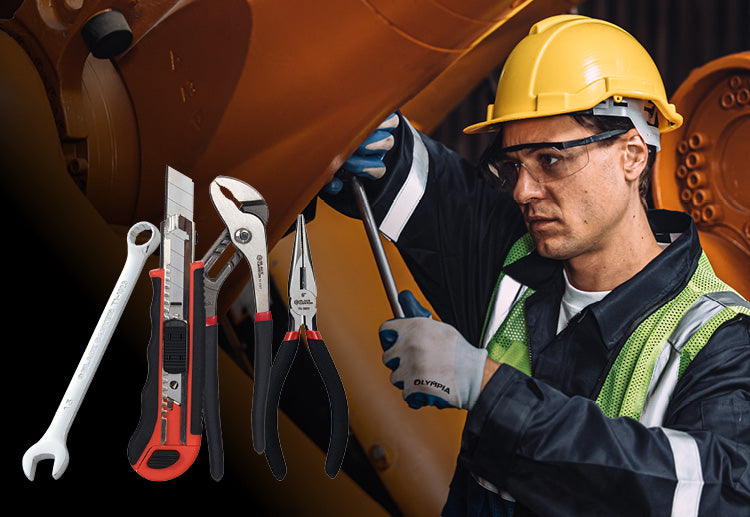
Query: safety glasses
[{"x": 544, "y": 161}]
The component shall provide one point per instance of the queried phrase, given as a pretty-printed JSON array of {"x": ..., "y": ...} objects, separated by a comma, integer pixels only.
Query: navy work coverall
[{"x": 543, "y": 439}]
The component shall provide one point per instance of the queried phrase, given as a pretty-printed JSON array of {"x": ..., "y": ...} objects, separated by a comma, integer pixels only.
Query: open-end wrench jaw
[{"x": 50, "y": 447}]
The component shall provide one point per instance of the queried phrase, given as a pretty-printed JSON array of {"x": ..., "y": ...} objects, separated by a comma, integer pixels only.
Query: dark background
[{"x": 48, "y": 322}]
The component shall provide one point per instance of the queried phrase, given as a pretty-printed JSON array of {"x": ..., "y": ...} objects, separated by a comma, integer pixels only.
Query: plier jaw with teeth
[
  {"x": 303, "y": 292},
  {"x": 302, "y": 313}
]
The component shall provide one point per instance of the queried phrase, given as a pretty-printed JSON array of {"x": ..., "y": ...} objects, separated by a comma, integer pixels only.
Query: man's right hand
[
  {"x": 367, "y": 159},
  {"x": 430, "y": 360}
]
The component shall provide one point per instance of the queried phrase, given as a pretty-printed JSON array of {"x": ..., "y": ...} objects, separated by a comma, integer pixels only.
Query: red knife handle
[{"x": 167, "y": 439}]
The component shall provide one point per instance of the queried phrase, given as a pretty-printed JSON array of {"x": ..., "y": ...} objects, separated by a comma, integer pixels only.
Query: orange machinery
[
  {"x": 274, "y": 93},
  {"x": 702, "y": 168},
  {"x": 277, "y": 94}
]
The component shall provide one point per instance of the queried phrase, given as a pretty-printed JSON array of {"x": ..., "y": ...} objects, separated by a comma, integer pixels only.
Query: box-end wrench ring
[{"x": 52, "y": 444}]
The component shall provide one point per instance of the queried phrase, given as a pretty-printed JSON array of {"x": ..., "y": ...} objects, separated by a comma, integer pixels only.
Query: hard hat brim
[{"x": 670, "y": 119}]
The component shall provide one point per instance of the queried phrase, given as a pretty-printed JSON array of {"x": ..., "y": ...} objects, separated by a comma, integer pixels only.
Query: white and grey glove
[
  {"x": 367, "y": 159},
  {"x": 432, "y": 362}
]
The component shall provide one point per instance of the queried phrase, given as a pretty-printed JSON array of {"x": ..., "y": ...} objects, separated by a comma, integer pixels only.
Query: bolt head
[{"x": 243, "y": 235}]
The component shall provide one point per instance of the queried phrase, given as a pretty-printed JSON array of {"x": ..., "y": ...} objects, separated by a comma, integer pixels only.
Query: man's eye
[{"x": 548, "y": 160}]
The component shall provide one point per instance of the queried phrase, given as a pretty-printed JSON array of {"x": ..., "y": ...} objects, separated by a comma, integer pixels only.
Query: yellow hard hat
[{"x": 570, "y": 63}]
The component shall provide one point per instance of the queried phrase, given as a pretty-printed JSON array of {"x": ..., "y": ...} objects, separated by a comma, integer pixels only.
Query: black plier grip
[
  {"x": 211, "y": 410},
  {"x": 336, "y": 400},
  {"x": 339, "y": 434}
]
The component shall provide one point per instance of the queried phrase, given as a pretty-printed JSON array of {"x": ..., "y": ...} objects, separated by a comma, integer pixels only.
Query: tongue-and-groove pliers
[{"x": 245, "y": 214}]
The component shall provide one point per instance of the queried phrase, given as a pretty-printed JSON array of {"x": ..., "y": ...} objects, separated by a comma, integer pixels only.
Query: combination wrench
[{"x": 52, "y": 444}]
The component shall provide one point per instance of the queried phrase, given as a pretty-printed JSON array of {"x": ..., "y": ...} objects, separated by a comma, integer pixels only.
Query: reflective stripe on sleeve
[
  {"x": 662, "y": 385},
  {"x": 687, "y": 466},
  {"x": 704, "y": 308},
  {"x": 666, "y": 370},
  {"x": 411, "y": 191}
]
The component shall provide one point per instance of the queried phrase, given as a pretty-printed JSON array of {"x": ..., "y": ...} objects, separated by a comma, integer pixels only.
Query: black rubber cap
[
  {"x": 162, "y": 459},
  {"x": 107, "y": 34}
]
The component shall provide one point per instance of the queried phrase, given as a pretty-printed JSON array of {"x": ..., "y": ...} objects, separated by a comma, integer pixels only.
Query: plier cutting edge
[{"x": 302, "y": 313}]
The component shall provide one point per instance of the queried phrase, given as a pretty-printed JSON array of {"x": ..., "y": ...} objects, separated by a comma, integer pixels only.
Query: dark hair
[{"x": 607, "y": 123}]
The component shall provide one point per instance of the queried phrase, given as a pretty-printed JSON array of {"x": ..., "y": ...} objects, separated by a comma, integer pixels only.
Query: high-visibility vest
[{"x": 652, "y": 360}]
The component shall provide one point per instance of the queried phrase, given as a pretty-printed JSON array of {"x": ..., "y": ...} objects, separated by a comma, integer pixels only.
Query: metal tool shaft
[{"x": 377, "y": 247}]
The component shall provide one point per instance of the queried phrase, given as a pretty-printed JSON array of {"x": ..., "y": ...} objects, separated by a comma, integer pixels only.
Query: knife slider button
[{"x": 175, "y": 346}]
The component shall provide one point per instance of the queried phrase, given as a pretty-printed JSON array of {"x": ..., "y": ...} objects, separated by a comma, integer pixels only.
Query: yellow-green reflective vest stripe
[{"x": 655, "y": 355}]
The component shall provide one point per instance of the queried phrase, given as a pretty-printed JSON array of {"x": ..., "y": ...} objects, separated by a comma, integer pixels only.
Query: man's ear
[{"x": 636, "y": 155}]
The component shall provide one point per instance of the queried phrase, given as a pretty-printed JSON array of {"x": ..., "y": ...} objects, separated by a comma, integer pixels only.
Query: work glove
[
  {"x": 367, "y": 159},
  {"x": 431, "y": 361}
]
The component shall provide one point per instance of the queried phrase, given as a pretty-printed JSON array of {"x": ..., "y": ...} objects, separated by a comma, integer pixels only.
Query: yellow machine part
[{"x": 702, "y": 167}]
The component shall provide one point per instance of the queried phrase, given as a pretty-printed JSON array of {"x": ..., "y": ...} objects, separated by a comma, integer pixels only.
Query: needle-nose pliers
[{"x": 302, "y": 312}]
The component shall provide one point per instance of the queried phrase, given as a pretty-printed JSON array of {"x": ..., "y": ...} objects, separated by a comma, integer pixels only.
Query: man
[{"x": 604, "y": 366}]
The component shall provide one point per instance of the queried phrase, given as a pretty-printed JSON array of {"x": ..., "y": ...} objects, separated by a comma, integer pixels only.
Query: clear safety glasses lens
[
  {"x": 544, "y": 161},
  {"x": 544, "y": 165}
]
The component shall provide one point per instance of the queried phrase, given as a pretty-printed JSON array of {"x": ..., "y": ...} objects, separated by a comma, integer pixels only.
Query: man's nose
[{"x": 527, "y": 188}]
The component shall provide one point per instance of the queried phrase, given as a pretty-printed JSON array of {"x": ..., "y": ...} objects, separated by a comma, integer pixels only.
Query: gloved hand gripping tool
[{"x": 302, "y": 312}]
